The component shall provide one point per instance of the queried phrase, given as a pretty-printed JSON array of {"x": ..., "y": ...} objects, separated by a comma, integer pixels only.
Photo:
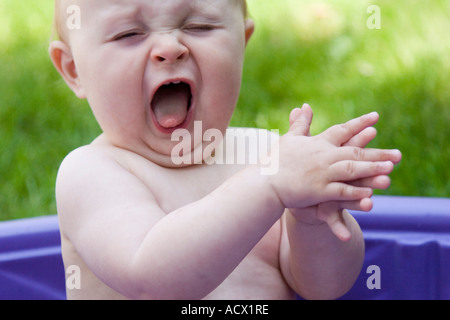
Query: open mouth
[{"x": 171, "y": 104}]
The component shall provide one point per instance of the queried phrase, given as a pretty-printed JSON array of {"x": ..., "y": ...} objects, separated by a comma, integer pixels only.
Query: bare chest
[{"x": 258, "y": 276}]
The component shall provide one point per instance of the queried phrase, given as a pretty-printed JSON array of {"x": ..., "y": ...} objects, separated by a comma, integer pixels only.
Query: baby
[{"x": 141, "y": 225}]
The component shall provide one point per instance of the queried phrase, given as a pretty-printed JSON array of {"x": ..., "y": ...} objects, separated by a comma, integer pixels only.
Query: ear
[
  {"x": 63, "y": 61},
  {"x": 249, "y": 29}
]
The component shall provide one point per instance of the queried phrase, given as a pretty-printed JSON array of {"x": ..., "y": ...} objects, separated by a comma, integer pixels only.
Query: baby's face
[{"x": 149, "y": 67}]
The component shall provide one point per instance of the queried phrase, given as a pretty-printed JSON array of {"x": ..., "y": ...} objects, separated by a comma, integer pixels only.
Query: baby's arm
[
  {"x": 126, "y": 239},
  {"x": 313, "y": 260}
]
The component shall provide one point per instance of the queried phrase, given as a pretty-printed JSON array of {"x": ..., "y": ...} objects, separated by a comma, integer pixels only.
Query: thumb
[
  {"x": 300, "y": 120},
  {"x": 334, "y": 217}
]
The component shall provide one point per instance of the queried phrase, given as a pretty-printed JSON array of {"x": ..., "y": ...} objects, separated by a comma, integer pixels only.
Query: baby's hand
[
  {"x": 323, "y": 168},
  {"x": 332, "y": 213}
]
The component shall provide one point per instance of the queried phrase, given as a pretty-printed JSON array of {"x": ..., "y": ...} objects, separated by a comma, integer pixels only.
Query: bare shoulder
[
  {"x": 83, "y": 158},
  {"x": 83, "y": 165},
  {"x": 98, "y": 161},
  {"x": 94, "y": 184}
]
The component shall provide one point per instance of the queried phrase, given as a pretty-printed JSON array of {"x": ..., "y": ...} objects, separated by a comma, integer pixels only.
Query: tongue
[{"x": 171, "y": 104}]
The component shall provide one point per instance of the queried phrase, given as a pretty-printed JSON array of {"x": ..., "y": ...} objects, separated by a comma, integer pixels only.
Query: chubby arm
[
  {"x": 322, "y": 247},
  {"x": 314, "y": 262},
  {"x": 118, "y": 228}
]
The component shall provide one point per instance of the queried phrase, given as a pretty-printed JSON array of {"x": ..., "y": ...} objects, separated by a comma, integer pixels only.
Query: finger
[
  {"x": 379, "y": 182},
  {"x": 364, "y": 205},
  {"x": 339, "y": 191},
  {"x": 300, "y": 120},
  {"x": 346, "y": 171},
  {"x": 362, "y": 139},
  {"x": 334, "y": 217},
  {"x": 295, "y": 114},
  {"x": 360, "y": 154},
  {"x": 340, "y": 134},
  {"x": 338, "y": 228}
]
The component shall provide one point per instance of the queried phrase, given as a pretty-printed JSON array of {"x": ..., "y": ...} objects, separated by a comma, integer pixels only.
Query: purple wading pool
[{"x": 407, "y": 253}]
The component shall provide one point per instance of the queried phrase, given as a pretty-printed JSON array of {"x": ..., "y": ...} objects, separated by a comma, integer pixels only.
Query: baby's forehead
[
  {"x": 202, "y": 3},
  {"x": 62, "y": 5},
  {"x": 89, "y": 7}
]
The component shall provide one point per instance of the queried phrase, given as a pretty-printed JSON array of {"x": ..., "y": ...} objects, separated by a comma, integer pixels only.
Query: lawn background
[{"x": 320, "y": 52}]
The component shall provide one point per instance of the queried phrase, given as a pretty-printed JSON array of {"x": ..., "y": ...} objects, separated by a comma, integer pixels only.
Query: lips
[{"x": 171, "y": 104}]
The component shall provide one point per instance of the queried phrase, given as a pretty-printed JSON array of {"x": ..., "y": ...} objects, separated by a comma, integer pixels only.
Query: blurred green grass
[{"x": 320, "y": 52}]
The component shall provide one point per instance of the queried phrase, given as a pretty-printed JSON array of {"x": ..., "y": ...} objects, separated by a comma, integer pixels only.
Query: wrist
[
  {"x": 263, "y": 186},
  {"x": 306, "y": 216}
]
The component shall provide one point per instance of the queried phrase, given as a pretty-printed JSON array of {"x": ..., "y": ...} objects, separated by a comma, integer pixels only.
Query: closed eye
[
  {"x": 199, "y": 27},
  {"x": 127, "y": 35}
]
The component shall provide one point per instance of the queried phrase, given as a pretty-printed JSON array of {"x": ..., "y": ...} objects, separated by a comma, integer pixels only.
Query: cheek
[
  {"x": 222, "y": 69},
  {"x": 111, "y": 79},
  {"x": 111, "y": 75},
  {"x": 224, "y": 83},
  {"x": 113, "y": 86}
]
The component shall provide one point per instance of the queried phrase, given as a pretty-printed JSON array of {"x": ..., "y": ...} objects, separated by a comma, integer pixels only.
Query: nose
[{"x": 168, "y": 49}]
